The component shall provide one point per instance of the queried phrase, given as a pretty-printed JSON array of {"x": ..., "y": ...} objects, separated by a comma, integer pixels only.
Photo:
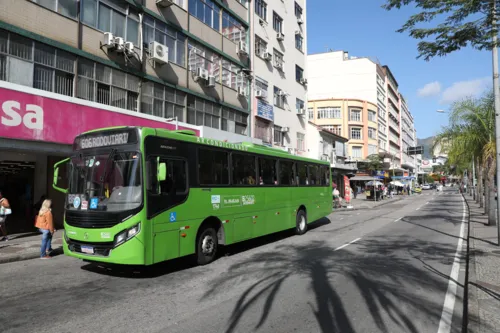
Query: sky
[{"x": 365, "y": 29}]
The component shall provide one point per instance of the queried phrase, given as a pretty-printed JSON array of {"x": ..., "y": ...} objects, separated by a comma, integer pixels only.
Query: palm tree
[{"x": 471, "y": 135}]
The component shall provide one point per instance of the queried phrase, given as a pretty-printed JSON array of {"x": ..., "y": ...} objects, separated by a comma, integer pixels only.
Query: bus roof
[{"x": 190, "y": 136}]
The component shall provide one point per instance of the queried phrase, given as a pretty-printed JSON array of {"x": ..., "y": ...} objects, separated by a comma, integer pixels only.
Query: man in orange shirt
[{"x": 4, "y": 204}]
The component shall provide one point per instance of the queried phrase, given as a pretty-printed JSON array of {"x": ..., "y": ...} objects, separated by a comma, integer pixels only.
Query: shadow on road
[{"x": 384, "y": 280}]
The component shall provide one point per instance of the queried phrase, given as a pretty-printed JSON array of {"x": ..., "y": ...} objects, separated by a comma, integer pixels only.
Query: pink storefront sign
[{"x": 31, "y": 117}]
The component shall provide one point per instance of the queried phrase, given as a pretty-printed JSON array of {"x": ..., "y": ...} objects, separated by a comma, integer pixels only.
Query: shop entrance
[{"x": 17, "y": 179}]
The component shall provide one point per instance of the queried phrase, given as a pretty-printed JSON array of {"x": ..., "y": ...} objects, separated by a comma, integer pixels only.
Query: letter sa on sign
[{"x": 32, "y": 119}]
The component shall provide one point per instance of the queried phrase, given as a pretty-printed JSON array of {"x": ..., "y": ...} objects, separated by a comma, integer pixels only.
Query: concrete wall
[
  {"x": 330, "y": 76},
  {"x": 174, "y": 14}
]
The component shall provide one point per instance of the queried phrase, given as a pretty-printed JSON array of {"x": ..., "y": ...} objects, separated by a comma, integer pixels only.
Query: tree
[
  {"x": 471, "y": 136},
  {"x": 467, "y": 23},
  {"x": 373, "y": 163}
]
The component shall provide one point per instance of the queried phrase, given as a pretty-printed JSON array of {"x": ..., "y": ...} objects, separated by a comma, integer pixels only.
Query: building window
[
  {"x": 260, "y": 46},
  {"x": 299, "y": 73},
  {"x": 381, "y": 128},
  {"x": 355, "y": 115},
  {"x": 161, "y": 101},
  {"x": 106, "y": 85},
  {"x": 278, "y": 136},
  {"x": 382, "y": 144},
  {"x": 357, "y": 152},
  {"x": 279, "y": 99},
  {"x": 277, "y": 23},
  {"x": 201, "y": 57},
  {"x": 203, "y": 113},
  {"x": 261, "y": 9},
  {"x": 232, "y": 76},
  {"x": 381, "y": 113},
  {"x": 329, "y": 113},
  {"x": 158, "y": 31},
  {"x": 301, "y": 144},
  {"x": 381, "y": 96},
  {"x": 278, "y": 59},
  {"x": 298, "y": 11},
  {"x": 206, "y": 11},
  {"x": 372, "y": 115},
  {"x": 263, "y": 130},
  {"x": 310, "y": 113},
  {"x": 372, "y": 133},
  {"x": 233, "y": 29},
  {"x": 355, "y": 133},
  {"x": 112, "y": 16},
  {"x": 234, "y": 121},
  {"x": 299, "y": 42},
  {"x": 299, "y": 105},
  {"x": 337, "y": 129},
  {"x": 65, "y": 7}
]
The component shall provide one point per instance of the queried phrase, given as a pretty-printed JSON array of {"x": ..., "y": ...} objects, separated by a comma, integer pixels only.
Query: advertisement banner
[
  {"x": 265, "y": 110},
  {"x": 347, "y": 189},
  {"x": 37, "y": 118}
]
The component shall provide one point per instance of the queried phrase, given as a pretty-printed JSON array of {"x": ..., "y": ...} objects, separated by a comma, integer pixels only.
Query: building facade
[
  {"x": 386, "y": 125},
  {"x": 75, "y": 65},
  {"x": 279, "y": 67},
  {"x": 353, "y": 119}
]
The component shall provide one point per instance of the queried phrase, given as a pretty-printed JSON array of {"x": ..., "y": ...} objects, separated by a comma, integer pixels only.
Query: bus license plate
[{"x": 88, "y": 249}]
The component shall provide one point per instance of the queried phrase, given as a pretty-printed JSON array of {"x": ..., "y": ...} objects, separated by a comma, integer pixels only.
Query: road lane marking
[
  {"x": 357, "y": 213},
  {"x": 417, "y": 208},
  {"x": 398, "y": 219},
  {"x": 347, "y": 244},
  {"x": 451, "y": 293},
  {"x": 341, "y": 218}
]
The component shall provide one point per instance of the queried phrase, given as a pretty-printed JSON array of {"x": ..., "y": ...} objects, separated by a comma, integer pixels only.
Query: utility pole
[{"x": 496, "y": 88}]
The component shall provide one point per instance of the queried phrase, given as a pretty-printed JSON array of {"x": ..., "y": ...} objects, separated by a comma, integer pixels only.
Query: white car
[{"x": 426, "y": 187}]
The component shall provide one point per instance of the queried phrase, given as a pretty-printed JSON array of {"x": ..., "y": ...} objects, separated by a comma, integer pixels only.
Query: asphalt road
[{"x": 380, "y": 270}]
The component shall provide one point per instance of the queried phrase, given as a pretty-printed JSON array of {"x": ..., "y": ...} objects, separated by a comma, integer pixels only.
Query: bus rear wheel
[
  {"x": 301, "y": 223},
  {"x": 206, "y": 246}
]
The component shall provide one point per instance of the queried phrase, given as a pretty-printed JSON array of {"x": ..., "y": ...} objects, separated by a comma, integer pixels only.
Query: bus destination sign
[{"x": 105, "y": 140}]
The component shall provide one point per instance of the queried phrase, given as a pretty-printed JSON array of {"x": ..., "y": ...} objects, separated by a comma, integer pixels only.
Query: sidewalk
[
  {"x": 361, "y": 202},
  {"x": 483, "y": 281},
  {"x": 26, "y": 246}
]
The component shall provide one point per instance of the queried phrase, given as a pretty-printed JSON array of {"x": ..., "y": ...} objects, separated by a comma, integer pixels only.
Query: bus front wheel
[
  {"x": 301, "y": 223},
  {"x": 207, "y": 245}
]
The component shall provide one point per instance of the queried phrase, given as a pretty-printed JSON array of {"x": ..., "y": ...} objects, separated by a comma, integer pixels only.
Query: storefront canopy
[{"x": 363, "y": 178}]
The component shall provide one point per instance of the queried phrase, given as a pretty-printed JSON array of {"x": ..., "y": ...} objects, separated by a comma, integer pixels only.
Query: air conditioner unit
[
  {"x": 158, "y": 52},
  {"x": 280, "y": 93},
  {"x": 301, "y": 112},
  {"x": 119, "y": 44},
  {"x": 300, "y": 20},
  {"x": 278, "y": 65},
  {"x": 201, "y": 73},
  {"x": 129, "y": 47},
  {"x": 242, "y": 91},
  {"x": 211, "y": 81},
  {"x": 108, "y": 40},
  {"x": 280, "y": 36},
  {"x": 298, "y": 32},
  {"x": 164, "y": 3},
  {"x": 285, "y": 129},
  {"x": 242, "y": 48},
  {"x": 260, "y": 93},
  {"x": 267, "y": 56},
  {"x": 303, "y": 80}
]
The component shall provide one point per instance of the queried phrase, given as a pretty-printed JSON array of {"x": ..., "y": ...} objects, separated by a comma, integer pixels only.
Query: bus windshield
[{"x": 105, "y": 182}]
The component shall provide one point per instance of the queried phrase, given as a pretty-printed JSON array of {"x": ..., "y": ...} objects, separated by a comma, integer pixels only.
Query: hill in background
[{"x": 427, "y": 143}]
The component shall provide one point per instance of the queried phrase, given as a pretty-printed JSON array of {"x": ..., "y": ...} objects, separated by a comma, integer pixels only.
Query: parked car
[{"x": 426, "y": 187}]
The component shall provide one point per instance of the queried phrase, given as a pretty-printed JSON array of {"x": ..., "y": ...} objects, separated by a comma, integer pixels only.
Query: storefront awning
[{"x": 363, "y": 178}]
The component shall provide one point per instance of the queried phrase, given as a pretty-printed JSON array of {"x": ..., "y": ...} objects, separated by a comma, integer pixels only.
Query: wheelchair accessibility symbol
[{"x": 173, "y": 217}]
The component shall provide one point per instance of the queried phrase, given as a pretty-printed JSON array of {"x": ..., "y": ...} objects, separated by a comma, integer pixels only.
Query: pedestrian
[
  {"x": 45, "y": 223},
  {"x": 355, "y": 190},
  {"x": 4, "y": 211}
]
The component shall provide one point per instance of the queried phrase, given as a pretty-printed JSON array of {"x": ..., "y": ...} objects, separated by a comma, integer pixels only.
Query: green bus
[{"x": 139, "y": 196}]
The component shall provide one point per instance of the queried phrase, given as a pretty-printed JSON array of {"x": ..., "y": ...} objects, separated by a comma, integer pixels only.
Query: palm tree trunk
[
  {"x": 486, "y": 194},
  {"x": 480, "y": 186},
  {"x": 492, "y": 218}
]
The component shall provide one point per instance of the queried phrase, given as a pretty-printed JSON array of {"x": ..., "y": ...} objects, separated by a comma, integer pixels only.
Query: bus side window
[{"x": 244, "y": 169}]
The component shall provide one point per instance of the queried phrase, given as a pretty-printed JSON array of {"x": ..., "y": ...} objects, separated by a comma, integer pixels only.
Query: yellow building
[{"x": 351, "y": 118}]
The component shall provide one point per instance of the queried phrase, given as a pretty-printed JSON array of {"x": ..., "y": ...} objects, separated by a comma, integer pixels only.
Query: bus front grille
[
  {"x": 91, "y": 220},
  {"x": 100, "y": 249}
]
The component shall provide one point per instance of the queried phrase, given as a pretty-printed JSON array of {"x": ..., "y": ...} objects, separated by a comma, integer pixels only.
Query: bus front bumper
[{"x": 129, "y": 253}]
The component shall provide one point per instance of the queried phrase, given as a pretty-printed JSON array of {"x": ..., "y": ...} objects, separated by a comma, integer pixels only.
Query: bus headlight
[{"x": 126, "y": 234}]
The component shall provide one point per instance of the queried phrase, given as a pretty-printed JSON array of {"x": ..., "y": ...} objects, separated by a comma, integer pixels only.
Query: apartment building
[
  {"x": 279, "y": 66},
  {"x": 352, "y": 119},
  {"x": 334, "y": 77},
  {"x": 74, "y": 65}
]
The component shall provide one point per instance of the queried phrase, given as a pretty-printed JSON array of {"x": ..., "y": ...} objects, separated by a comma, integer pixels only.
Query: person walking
[
  {"x": 4, "y": 211},
  {"x": 45, "y": 223}
]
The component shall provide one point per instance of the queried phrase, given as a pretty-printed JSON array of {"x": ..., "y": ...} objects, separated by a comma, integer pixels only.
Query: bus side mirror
[
  {"x": 56, "y": 176},
  {"x": 162, "y": 172}
]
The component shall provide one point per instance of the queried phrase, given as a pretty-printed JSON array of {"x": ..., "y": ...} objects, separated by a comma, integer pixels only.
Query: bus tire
[
  {"x": 301, "y": 223},
  {"x": 206, "y": 246}
]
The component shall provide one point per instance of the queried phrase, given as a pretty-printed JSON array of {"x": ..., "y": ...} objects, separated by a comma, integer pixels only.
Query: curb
[{"x": 27, "y": 256}]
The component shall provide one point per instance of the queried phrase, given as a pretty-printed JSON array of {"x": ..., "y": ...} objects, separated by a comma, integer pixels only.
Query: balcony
[
  {"x": 394, "y": 124},
  {"x": 394, "y": 139}
]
